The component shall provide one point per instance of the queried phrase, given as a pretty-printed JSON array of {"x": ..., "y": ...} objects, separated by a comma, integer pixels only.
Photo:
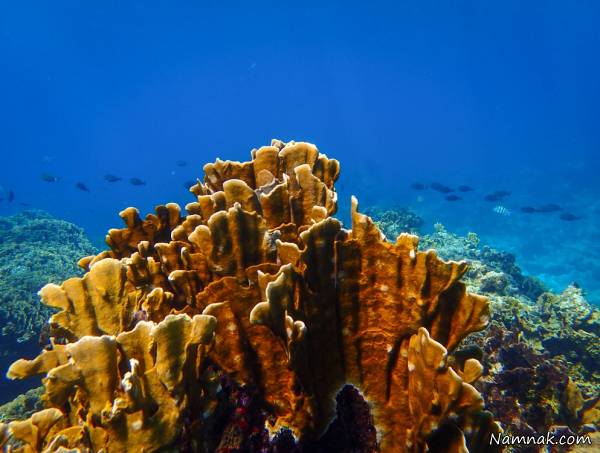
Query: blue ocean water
[{"x": 496, "y": 96}]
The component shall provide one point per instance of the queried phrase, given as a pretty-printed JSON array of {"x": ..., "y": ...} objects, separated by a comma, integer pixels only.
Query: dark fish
[
  {"x": 465, "y": 188},
  {"x": 441, "y": 188},
  {"x": 112, "y": 178},
  {"x": 528, "y": 210},
  {"x": 47, "y": 177},
  {"x": 492, "y": 197},
  {"x": 568, "y": 217},
  {"x": 137, "y": 182},
  {"x": 502, "y": 193},
  {"x": 11, "y": 196},
  {"x": 453, "y": 198},
  {"x": 181, "y": 163},
  {"x": 189, "y": 184},
  {"x": 417, "y": 186},
  {"x": 82, "y": 186},
  {"x": 551, "y": 207},
  {"x": 25, "y": 205}
]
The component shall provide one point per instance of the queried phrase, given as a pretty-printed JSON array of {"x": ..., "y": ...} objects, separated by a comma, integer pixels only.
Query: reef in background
[
  {"x": 23, "y": 406},
  {"x": 541, "y": 350},
  {"x": 35, "y": 249},
  {"x": 393, "y": 222}
]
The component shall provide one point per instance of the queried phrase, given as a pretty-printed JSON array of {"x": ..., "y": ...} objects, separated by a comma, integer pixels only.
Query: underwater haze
[{"x": 497, "y": 97}]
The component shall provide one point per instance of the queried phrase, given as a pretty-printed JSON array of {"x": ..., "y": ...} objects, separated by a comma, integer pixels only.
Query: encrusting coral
[{"x": 259, "y": 283}]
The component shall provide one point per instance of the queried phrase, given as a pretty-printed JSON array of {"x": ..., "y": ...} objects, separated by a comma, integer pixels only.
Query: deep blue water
[{"x": 502, "y": 96}]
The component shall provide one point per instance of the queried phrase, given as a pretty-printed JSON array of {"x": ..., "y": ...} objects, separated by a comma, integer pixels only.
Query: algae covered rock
[
  {"x": 23, "y": 406},
  {"x": 35, "y": 249},
  {"x": 393, "y": 222}
]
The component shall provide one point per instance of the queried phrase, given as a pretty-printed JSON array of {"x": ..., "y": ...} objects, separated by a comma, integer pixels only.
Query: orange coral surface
[{"x": 260, "y": 281}]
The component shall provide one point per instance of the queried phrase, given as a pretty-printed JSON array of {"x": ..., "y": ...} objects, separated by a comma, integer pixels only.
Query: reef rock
[
  {"x": 35, "y": 249},
  {"x": 393, "y": 222},
  {"x": 257, "y": 283},
  {"x": 484, "y": 259}
]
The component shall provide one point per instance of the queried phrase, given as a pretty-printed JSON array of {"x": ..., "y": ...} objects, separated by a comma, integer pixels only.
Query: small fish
[
  {"x": 81, "y": 186},
  {"x": 568, "y": 217},
  {"x": 502, "y": 193},
  {"x": 551, "y": 207},
  {"x": 47, "y": 177},
  {"x": 181, "y": 163},
  {"x": 112, "y": 178},
  {"x": 528, "y": 209},
  {"x": 453, "y": 198},
  {"x": 25, "y": 205},
  {"x": 441, "y": 188},
  {"x": 464, "y": 188},
  {"x": 11, "y": 196},
  {"x": 417, "y": 186},
  {"x": 137, "y": 182},
  {"x": 501, "y": 210},
  {"x": 492, "y": 197},
  {"x": 188, "y": 184}
]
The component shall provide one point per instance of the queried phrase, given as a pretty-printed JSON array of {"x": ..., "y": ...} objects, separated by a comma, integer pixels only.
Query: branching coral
[{"x": 259, "y": 282}]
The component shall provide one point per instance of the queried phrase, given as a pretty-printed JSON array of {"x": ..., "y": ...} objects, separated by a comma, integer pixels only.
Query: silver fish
[{"x": 501, "y": 210}]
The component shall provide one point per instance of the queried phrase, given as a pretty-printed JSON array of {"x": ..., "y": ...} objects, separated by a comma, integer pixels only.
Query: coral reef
[
  {"x": 393, "y": 222},
  {"x": 35, "y": 249},
  {"x": 540, "y": 350},
  {"x": 541, "y": 364},
  {"x": 452, "y": 247},
  {"x": 260, "y": 291},
  {"x": 23, "y": 406}
]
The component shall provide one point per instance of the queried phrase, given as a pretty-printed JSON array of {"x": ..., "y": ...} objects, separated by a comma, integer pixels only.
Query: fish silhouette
[
  {"x": 417, "y": 186},
  {"x": 112, "y": 178},
  {"x": 492, "y": 197},
  {"x": 497, "y": 195},
  {"x": 181, "y": 163},
  {"x": 528, "y": 209},
  {"x": 137, "y": 182},
  {"x": 464, "y": 188},
  {"x": 568, "y": 217},
  {"x": 453, "y": 198},
  {"x": 81, "y": 186},
  {"x": 48, "y": 177},
  {"x": 441, "y": 188}
]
